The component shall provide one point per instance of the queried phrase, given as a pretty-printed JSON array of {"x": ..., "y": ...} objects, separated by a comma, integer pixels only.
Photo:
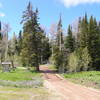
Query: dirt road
[{"x": 68, "y": 90}]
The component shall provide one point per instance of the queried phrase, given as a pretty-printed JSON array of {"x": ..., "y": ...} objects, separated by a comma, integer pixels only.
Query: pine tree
[
  {"x": 77, "y": 39},
  {"x": 83, "y": 35},
  {"x": 89, "y": 37},
  {"x": 20, "y": 38},
  {"x": 32, "y": 37},
  {"x": 94, "y": 43},
  {"x": 70, "y": 41},
  {"x": 45, "y": 49}
]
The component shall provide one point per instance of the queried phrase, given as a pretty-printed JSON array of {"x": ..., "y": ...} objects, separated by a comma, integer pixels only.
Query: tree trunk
[
  {"x": 12, "y": 64},
  {"x": 37, "y": 68},
  {"x": 37, "y": 64}
]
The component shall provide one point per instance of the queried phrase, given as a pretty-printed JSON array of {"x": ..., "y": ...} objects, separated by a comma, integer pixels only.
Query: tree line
[
  {"x": 70, "y": 52},
  {"x": 31, "y": 47},
  {"x": 78, "y": 51}
]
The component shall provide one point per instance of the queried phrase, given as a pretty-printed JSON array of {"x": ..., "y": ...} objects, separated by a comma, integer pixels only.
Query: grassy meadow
[
  {"x": 21, "y": 77},
  {"x": 20, "y": 74},
  {"x": 88, "y": 78},
  {"x": 11, "y": 93}
]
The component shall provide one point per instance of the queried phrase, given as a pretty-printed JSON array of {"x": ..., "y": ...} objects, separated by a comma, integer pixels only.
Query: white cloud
[
  {"x": 70, "y": 3},
  {"x": 2, "y": 14}
]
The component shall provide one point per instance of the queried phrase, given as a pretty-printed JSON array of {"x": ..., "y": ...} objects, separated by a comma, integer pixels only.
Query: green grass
[
  {"x": 20, "y": 74},
  {"x": 90, "y": 78},
  {"x": 9, "y": 93}
]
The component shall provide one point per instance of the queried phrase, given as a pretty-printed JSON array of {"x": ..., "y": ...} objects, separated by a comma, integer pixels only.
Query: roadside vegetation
[
  {"x": 10, "y": 93},
  {"x": 89, "y": 79},
  {"x": 20, "y": 74},
  {"x": 80, "y": 49},
  {"x": 21, "y": 77}
]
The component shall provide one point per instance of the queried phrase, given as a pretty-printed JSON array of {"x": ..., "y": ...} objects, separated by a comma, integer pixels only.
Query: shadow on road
[{"x": 48, "y": 71}]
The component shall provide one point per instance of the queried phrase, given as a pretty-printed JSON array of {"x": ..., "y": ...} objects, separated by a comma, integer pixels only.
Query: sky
[{"x": 49, "y": 11}]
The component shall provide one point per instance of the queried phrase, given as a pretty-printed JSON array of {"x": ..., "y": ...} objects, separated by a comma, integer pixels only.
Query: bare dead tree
[
  {"x": 52, "y": 35},
  {"x": 75, "y": 27},
  {"x": 5, "y": 31}
]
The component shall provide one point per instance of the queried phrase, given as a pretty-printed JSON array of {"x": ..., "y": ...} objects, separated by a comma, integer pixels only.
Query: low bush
[{"x": 79, "y": 60}]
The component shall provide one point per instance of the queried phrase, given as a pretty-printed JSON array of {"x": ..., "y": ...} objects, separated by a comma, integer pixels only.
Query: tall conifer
[{"x": 70, "y": 41}]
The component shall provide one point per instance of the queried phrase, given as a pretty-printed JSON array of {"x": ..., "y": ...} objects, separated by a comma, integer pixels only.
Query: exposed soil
[{"x": 67, "y": 90}]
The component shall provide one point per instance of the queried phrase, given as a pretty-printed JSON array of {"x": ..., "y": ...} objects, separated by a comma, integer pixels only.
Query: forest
[
  {"x": 72, "y": 51},
  {"x": 48, "y": 64}
]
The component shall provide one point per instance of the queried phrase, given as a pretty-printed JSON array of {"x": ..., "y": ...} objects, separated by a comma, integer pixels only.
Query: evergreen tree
[
  {"x": 89, "y": 37},
  {"x": 94, "y": 43},
  {"x": 77, "y": 39},
  {"x": 20, "y": 38},
  {"x": 70, "y": 41},
  {"x": 83, "y": 35},
  {"x": 45, "y": 49},
  {"x": 32, "y": 38}
]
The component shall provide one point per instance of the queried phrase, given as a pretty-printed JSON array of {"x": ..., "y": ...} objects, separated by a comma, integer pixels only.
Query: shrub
[
  {"x": 86, "y": 59},
  {"x": 73, "y": 62},
  {"x": 58, "y": 59},
  {"x": 79, "y": 60}
]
